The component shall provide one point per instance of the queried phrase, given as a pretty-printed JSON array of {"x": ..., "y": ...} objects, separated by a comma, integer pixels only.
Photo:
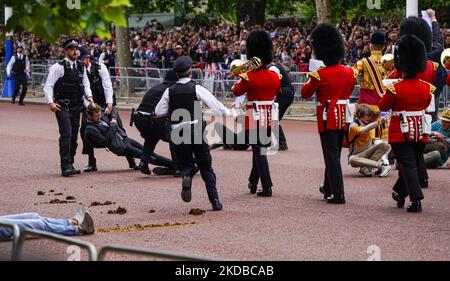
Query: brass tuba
[
  {"x": 445, "y": 59},
  {"x": 240, "y": 69}
]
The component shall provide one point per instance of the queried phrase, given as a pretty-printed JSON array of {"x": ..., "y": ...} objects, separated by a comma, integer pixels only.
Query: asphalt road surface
[{"x": 294, "y": 224}]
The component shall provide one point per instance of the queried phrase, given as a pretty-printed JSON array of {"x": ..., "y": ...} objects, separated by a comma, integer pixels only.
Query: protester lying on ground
[{"x": 82, "y": 223}]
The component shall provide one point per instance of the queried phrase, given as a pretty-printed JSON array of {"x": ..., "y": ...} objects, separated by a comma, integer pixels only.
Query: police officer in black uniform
[
  {"x": 19, "y": 66},
  {"x": 154, "y": 129},
  {"x": 66, "y": 84},
  {"x": 103, "y": 95},
  {"x": 284, "y": 99},
  {"x": 181, "y": 102},
  {"x": 108, "y": 57}
]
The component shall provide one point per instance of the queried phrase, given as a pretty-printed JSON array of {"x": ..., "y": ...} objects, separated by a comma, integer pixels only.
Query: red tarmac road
[{"x": 295, "y": 224}]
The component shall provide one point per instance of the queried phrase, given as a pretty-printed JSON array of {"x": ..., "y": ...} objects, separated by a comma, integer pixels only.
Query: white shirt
[
  {"x": 162, "y": 108},
  {"x": 106, "y": 83},
  {"x": 55, "y": 72},
  {"x": 101, "y": 59},
  {"x": 13, "y": 60}
]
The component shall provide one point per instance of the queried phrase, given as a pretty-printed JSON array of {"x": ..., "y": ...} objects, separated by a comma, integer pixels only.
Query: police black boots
[
  {"x": 144, "y": 168},
  {"x": 336, "y": 199},
  {"x": 186, "y": 189},
  {"x": 69, "y": 170},
  {"x": 216, "y": 205},
  {"x": 265, "y": 192},
  {"x": 415, "y": 207},
  {"x": 92, "y": 166}
]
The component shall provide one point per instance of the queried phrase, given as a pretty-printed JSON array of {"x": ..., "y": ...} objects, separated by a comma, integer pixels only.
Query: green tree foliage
[{"x": 50, "y": 18}]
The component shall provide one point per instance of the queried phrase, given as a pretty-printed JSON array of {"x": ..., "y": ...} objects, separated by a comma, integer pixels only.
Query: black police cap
[
  {"x": 69, "y": 43},
  {"x": 182, "y": 64},
  {"x": 84, "y": 52}
]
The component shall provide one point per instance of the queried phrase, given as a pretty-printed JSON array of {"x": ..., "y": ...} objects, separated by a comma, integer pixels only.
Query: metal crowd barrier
[
  {"x": 55, "y": 237},
  {"x": 15, "y": 240},
  {"x": 148, "y": 252}
]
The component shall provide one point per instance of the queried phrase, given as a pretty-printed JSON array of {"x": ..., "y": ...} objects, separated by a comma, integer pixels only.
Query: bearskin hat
[
  {"x": 418, "y": 27},
  {"x": 410, "y": 55},
  {"x": 260, "y": 45},
  {"x": 328, "y": 44}
]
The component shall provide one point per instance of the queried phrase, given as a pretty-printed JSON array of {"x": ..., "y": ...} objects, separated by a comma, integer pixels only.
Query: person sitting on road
[
  {"x": 103, "y": 132},
  {"x": 81, "y": 223},
  {"x": 363, "y": 153},
  {"x": 437, "y": 151}
]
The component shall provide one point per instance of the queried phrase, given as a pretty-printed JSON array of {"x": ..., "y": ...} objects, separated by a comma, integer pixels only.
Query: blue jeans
[{"x": 34, "y": 221}]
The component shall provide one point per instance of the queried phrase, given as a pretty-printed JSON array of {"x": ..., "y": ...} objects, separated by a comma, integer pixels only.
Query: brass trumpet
[
  {"x": 445, "y": 59},
  {"x": 240, "y": 69}
]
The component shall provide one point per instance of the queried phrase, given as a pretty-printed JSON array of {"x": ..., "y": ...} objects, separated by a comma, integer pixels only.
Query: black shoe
[
  {"x": 21, "y": 103},
  {"x": 322, "y": 190},
  {"x": 145, "y": 169},
  {"x": 77, "y": 172},
  {"x": 13, "y": 101},
  {"x": 252, "y": 188},
  {"x": 215, "y": 146},
  {"x": 414, "y": 207},
  {"x": 338, "y": 199},
  {"x": 282, "y": 147},
  {"x": 90, "y": 168},
  {"x": 69, "y": 171},
  {"x": 133, "y": 166},
  {"x": 265, "y": 192},
  {"x": 400, "y": 199},
  {"x": 216, "y": 205},
  {"x": 163, "y": 171},
  {"x": 186, "y": 189}
]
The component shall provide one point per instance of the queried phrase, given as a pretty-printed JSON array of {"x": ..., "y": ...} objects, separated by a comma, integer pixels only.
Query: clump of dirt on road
[
  {"x": 151, "y": 211},
  {"x": 51, "y": 190},
  {"x": 40, "y": 193},
  {"x": 138, "y": 227},
  {"x": 118, "y": 211},
  {"x": 196, "y": 212},
  {"x": 57, "y": 201},
  {"x": 70, "y": 197},
  {"x": 58, "y": 194},
  {"x": 97, "y": 203}
]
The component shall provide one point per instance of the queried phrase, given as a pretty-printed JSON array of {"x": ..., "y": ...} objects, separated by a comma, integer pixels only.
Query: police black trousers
[
  {"x": 284, "y": 100},
  {"x": 135, "y": 150},
  {"x": 153, "y": 132},
  {"x": 185, "y": 156},
  {"x": 260, "y": 168},
  {"x": 68, "y": 123},
  {"x": 331, "y": 142},
  {"x": 408, "y": 156},
  {"x": 20, "y": 84}
]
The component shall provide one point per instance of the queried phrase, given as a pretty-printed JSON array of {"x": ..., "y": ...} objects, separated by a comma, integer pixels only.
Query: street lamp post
[{"x": 412, "y": 8}]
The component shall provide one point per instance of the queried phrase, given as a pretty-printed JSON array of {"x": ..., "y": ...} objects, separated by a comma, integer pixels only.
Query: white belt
[
  {"x": 341, "y": 102},
  {"x": 408, "y": 113},
  {"x": 258, "y": 103},
  {"x": 184, "y": 124}
]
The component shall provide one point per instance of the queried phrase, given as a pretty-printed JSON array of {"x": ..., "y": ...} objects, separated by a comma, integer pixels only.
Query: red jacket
[
  {"x": 331, "y": 84},
  {"x": 262, "y": 85},
  {"x": 428, "y": 75},
  {"x": 447, "y": 81},
  {"x": 406, "y": 95}
]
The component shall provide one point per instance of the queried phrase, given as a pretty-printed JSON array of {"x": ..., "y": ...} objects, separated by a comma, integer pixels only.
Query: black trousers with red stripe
[{"x": 331, "y": 148}]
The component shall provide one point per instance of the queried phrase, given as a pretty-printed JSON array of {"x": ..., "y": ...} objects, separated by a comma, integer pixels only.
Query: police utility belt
[
  {"x": 257, "y": 107},
  {"x": 67, "y": 104},
  {"x": 414, "y": 123}
]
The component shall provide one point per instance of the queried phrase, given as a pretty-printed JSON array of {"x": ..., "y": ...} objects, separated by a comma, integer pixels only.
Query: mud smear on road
[
  {"x": 57, "y": 201},
  {"x": 40, "y": 193},
  {"x": 119, "y": 211},
  {"x": 138, "y": 227},
  {"x": 97, "y": 203},
  {"x": 196, "y": 212}
]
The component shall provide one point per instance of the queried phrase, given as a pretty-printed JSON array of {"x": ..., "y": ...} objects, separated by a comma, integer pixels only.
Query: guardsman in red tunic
[
  {"x": 261, "y": 86},
  {"x": 410, "y": 126},
  {"x": 333, "y": 86},
  {"x": 431, "y": 73}
]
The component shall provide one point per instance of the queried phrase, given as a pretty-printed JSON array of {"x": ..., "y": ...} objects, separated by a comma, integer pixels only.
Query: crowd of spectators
[{"x": 215, "y": 46}]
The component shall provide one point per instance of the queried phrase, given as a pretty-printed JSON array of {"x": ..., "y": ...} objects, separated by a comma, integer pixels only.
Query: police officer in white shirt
[
  {"x": 19, "y": 66},
  {"x": 67, "y": 83},
  {"x": 183, "y": 100}
]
